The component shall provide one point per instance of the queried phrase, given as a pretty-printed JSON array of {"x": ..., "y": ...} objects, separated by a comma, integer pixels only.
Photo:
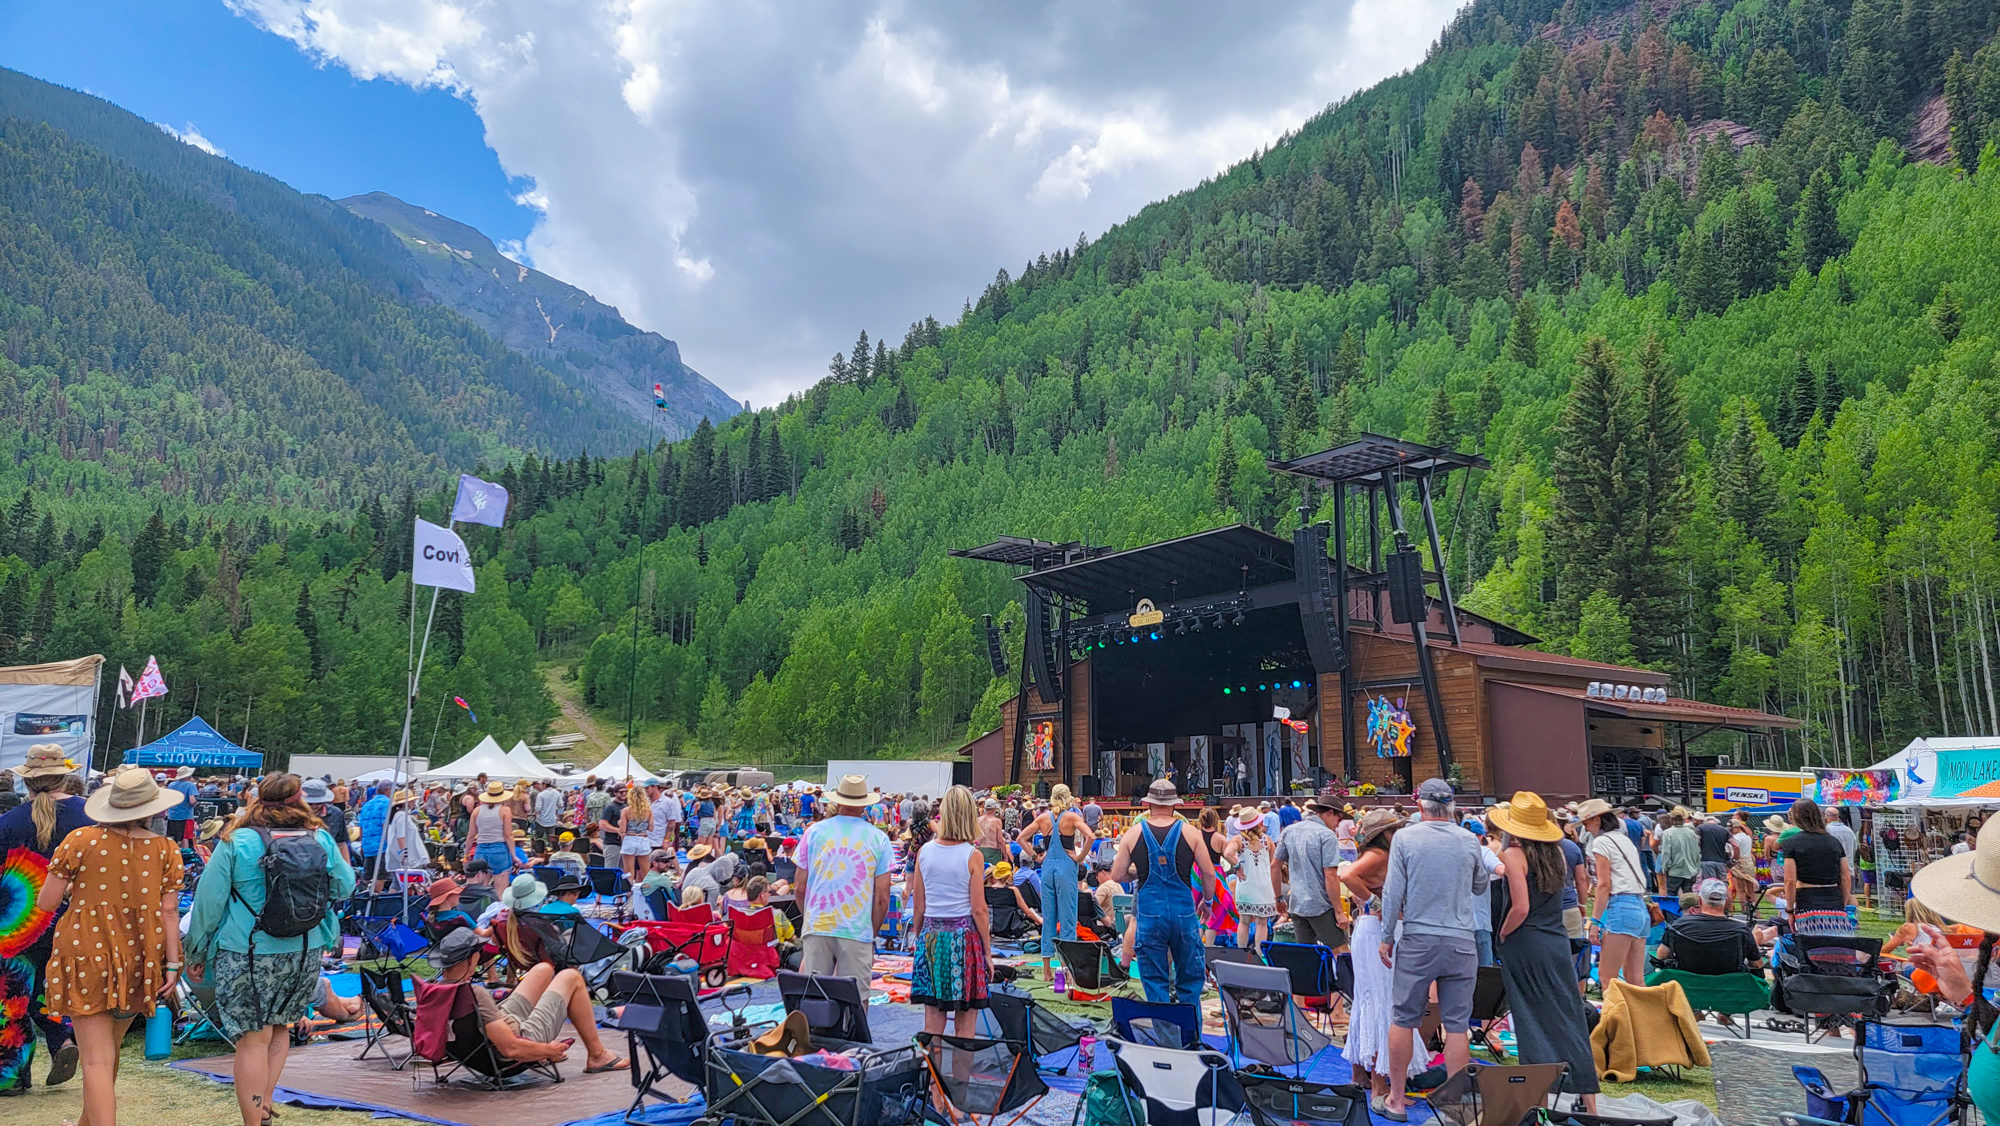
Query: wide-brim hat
[
  {"x": 1161, "y": 792},
  {"x": 1251, "y": 819},
  {"x": 1964, "y": 887},
  {"x": 45, "y": 760},
  {"x": 1374, "y": 823},
  {"x": 402, "y": 797},
  {"x": 132, "y": 795},
  {"x": 568, "y": 883},
  {"x": 853, "y": 790},
  {"x": 1775, "y": 823},
  {"x": 184, "y": 772},
  {"x": 525, "y": 894},
  {"x": 496, "y": 793},
  {"x": 315, "y": 792},
  {"x": 1526, "y": 817},
  {"x": 1322, "y": 805},
  {"x": 1592, "y": 809},
  {"x": 445, "y": 890},
  {"x": 699, "y": 852}
]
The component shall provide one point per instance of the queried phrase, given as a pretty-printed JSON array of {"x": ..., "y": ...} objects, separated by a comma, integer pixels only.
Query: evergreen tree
[
  {"x": 1798, "y": 401},
  {"x": 1819, "y": 227},
  {"x": 1744, "y": 491},
  {"x": 308, "y": 625},
  {"x": 1441, "y": 424},
  {"x": 1651, "y": 585},
  {"x": 1706, "y": 285},
  {"x": 1962, "y": 109},
  {"x": 1944, "y": 315},
  {"x": 1524, "y": 344},
  {"x": 1225, "y": 469},
  {"x": 777, "y": 471},
  {"x": 753, "y": 461},
  {"x": 1301, "y": 422},
  {"x": 1339, "y": 416},
  {"x": 45, "y": 540},
  {"x": 858, "y": 360},
  {"x": 1487, "y": 403},
  {"x": 149, "y": 554},
  {"x": 1749, "y": 258},
  {"x": 13, "y": 614},
  {"x": 1346, "y": 361},
  {"x": 45, "y": 617},
  {"x": 1590, "y": 532}
]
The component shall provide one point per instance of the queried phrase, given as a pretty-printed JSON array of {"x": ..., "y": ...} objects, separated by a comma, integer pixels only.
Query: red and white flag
[
  {"x": 151, "y": 683},
  {"x": 124, "y": 687}
]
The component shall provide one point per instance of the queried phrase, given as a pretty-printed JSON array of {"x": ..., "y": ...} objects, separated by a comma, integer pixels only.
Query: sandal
[{"x": 618, "y": 1063}]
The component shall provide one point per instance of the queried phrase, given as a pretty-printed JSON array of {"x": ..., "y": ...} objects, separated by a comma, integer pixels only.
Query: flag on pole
[
  {"x": 460, "y": 701},
  {"x": 659, "y": 397},
  {"x": 124, "y": 687},
  {"x": 479, "y": 502},
  {"x": 440, "y": 558},
  {"x": 150, "y": 684}
]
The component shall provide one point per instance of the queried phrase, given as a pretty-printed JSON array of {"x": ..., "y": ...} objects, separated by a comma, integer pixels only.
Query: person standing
[
  {"x": 635, "y": 831},
  {"x": 1309, "y": 868},
  {"x": 1534, "y": 950},
  {"x": 1743, "y": 860},
  {"x": 319, "y": 796},
  {"x": 1816, "y": 874},
  {"x": 1069, "y": 840},
  {"x": 373, "y": 817},
  {"x": 490, "y": 836},
  {"x": 1369, "y": 1023},
  {"x": 1680, "y": 855},
  {"x": 843, "y": 884},
  {"x": 1160, "y": 853},
  {"x": 1618, "y": 909},
  {"x": 547, "y": 808},
  {"x": 661, "y": 822},
  {"x": 670, "y": 802},
  {"x": 595, "y": 798},
  {"x": 1714, "y": 838},
  {"x": 403, "y": 848},
  {"x": 992, "y": 840},
  {"x": 118, "y": 948},
  {"x": 953, "y": 963},
  {"x": 39, "y": 825},
  {"x": 1436, "y": 869},
  {"x": 264, "y": 982},
  {"x": 1250, "y": 854},
  {"x": 181, "y": 818}
]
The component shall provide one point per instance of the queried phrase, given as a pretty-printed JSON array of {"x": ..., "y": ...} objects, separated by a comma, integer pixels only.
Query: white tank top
[{"x": 947, "y": 872}]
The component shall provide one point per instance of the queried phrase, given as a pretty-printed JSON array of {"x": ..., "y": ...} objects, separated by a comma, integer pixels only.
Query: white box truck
[{"x": 923, "y": 777}]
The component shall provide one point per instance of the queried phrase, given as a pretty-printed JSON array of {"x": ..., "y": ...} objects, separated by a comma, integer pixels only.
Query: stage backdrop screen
[{"x": 50, "y": 703}]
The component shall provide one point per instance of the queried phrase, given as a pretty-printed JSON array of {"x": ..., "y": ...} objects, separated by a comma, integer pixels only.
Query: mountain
[
  {"x": 1670, "y": 268},
  {"x": 552, "y": 321}
]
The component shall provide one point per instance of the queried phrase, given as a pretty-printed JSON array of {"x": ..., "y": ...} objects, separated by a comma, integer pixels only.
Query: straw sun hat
[
  {"x": 496, "y": 793},
  {"x": 853, "y": 790},
  {"x": 1526, "y": 817},
  {"x": 1965, "y": 887},
  {"x": 131, "y": 795}
]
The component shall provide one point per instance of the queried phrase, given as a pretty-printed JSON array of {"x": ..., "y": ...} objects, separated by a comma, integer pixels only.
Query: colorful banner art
[
  {"x": 1962, "y": 770},
  {"x": 1857, "y": 787},
  {"x": 1390, "y": 728},
  {"x": 1042, "y": 744}
]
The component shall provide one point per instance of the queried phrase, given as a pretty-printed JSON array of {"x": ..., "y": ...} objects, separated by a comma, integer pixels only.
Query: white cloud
[
  {"x": 758, "y": 181},
  {"x": 191, "y": 136}
]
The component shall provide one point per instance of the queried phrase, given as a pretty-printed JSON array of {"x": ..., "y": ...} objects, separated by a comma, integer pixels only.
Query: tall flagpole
[
  {"x": 415, "y": 679},
  {"x": 638, "y": 587}
]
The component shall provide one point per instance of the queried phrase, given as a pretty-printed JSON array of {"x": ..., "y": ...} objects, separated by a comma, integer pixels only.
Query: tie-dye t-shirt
[{"x": 841, "y": 857}]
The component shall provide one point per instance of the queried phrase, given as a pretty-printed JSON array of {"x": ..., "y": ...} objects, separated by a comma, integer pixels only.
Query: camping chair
[
  {"x": 1314, "y": 970},
  {"x": 197, "y": 1007},
  {"x": 1278, "y": 1100},
  {"x": 382, "y": 991},
  {"x": 451, "y": 1038},
  {"x": 609, "y": 884},
  {"x": 1830, "y": 976},
  {"x": 1284, "y": 1038},
  {"x": 1494, "y": 1094},
  {"x": 835, "y": 1007},
  {"x": 1004, "y": 916},
  {"x": 1176, "y": 1087},
  {"x": 1911, "y": 1074},
  {"x": 1489, "y": 1004},
  {"x": 1213, "y": 956},
  {"x": 389, "y": 939},
  {"x": 1088, "y": 964},
  {"x": 753, "y": 950},
  {"x": 1121, "y": 910},
  {"x": 1022, "y": 1021},
  {"x": 549, "y": 874},
  {"x": 978, "y": 1081},
  {"x": 571, "y": 942},
  {"x": 659, "y": 904},
  {"x": 664, "y": 1026},
  {"x": 1713, "y": 976},
  {"x": 1156, "y": 1023}
]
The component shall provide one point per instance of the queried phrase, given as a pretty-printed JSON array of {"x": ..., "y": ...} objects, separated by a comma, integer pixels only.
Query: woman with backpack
[{"x": 259, "y": 930}]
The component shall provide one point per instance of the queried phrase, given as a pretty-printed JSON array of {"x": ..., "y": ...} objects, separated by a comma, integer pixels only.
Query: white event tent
[
  {"x": 487, "y": 758},
  {"x": 620, "y": 764},
  {"x": 527, "y": 764},
  {"x": 1917, "y": 768}
]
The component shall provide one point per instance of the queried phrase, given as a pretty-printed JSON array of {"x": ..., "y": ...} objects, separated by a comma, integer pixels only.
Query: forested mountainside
[
  {"x": 1671, "y": 268},
  {"x": 550, "y": 320},
  {"x": 177, "y": 329}
]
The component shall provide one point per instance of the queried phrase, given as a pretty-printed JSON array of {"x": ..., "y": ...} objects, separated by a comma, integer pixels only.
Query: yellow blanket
[{"x": 1645, "y": 1027}]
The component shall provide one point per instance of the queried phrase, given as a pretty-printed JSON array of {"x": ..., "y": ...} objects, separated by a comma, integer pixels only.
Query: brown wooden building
[{"x": 1184, "y": 657}]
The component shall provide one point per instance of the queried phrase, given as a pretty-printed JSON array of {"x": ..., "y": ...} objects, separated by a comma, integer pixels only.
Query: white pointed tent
[
  {"x": 620, "y": 764},
  {"x": 524, "y": 760},
  {"x": 487, "y": 758}
]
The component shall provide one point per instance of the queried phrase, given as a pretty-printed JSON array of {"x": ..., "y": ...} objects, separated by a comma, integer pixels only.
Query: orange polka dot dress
[{"x": 110, "y": 945}]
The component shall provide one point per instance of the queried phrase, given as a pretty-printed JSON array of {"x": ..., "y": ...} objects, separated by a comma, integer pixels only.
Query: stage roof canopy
[
  {"x": 195, "y": 743},
  {"x": 1189, "y": 567},
  {"x": 1367, "y": 460}
]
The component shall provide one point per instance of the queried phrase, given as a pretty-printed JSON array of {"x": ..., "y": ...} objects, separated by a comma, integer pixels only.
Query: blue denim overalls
[
  {"x": 1059, "y": 889},
  {"x": 1168, "y": 927}
]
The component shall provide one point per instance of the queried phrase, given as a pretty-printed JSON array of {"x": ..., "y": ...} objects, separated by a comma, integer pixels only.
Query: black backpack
[{"x": 298, "y": 887}]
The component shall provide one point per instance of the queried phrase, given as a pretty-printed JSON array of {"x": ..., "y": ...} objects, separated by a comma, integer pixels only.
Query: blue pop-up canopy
[{"x": 194, "y": 743}]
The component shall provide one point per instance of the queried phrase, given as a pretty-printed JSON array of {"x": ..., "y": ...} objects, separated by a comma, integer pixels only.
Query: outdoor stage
[{"x": 1241, "y": 663}]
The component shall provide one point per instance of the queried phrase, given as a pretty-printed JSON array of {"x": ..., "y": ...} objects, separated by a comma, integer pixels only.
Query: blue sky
[{"x": 265, "y": 104}]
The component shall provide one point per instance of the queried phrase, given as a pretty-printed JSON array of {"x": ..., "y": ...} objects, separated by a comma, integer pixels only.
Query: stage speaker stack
[
  {"x": 1406, "y": 586},
  {"x": 1318, "y": 600},
  {"x": 1086, "y": 786},
  {"x": 995, "y": 652},
  {"x": 1042, "y": 789},
  {"x": 1040, "y": 650}
]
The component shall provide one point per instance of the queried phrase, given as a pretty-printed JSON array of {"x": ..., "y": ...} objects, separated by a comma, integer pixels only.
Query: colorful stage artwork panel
[
  {"x": 1274, "y": 757},
  {"x": 1301, "y": 752},
  {"x": 1197, "y": 762},
  {"x": 1042, "y": 744},
  {"x": 1390, "y": 728}
]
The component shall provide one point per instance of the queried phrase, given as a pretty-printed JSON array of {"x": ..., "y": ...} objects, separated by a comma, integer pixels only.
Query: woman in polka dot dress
[{"x": 118, "y": 948}]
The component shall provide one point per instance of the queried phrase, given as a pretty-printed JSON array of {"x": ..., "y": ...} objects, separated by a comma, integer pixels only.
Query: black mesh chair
[
  {"x": 978, "y": 1081},
  {"x": 664, "y": 1026},
  {"x": 394, "y": 1014},
  {"x": 1489, "y": 1004},
  {"x": 1278, "y": 1100},
  {"x": 1004, "y": 915},
  {"x": 571, "y": 942},
  {"x": 1088, "y": 964},
  {"x": 609, "y": 884},
  {"x": 835, "y": 1007},
  {"x": 1022, "y": 1021}
]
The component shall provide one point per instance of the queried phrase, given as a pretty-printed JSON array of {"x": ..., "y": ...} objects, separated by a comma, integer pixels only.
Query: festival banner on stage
[
  {"x": 1857, "y": 787},
  {"x": 1156, "y": 759},
  {"x": 1041, "y": 744},
  {"x": 1274, "y": 758}
]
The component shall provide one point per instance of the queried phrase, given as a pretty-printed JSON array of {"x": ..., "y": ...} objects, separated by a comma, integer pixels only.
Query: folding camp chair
[
  {"x": 1213, "y": 956},
  {"x": 753, "y": 950},
  {"x": 197, "y": 1007},
  {"x": 658, "y": 903},
  {"x": 835, "y": 1007},
  {"x": 572, "y": 942},
  {"x": 1495, "y": 1094},
  {"x": 1832, "y": 977},
  {"x": 1489, "y": 1004},
  {"x": 1714, "y": 979},
  {"x": 451, "y": 1038},
  {"x": 1089, "y": 965},
  {"x": 1022, "y": 1021},
  {"x": 1156, "y": 1023},
  {"x": 388, "y": 938},
  {"x": 1121, "y": 910},
  {"x": 1278, "y": 1100},
  {"x": 609, "y": 885},
  {"x": 1177, "y": 1087},
  {"x": 1911, "y": 1074},
  {"x": 549, "y": 874},
  {"x": 1284, "y": 1038},
  {"x": 664, "y": 1026},
  {"x": 978, "y": 1081},
  {"x": 1004, "y": 916},
  {"x": 393, "y": 1011},
  {"x": 1315, "y": 973}
]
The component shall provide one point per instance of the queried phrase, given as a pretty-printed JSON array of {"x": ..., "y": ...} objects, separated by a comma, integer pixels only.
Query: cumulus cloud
[
  {"x": 191, "y": 136},
  {"x": 759, "y": 181}
]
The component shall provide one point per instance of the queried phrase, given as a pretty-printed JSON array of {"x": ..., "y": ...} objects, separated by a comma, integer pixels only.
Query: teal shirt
[
  {"x": 1982, "y": 1080},
  {"x": 221, "y": 921}
]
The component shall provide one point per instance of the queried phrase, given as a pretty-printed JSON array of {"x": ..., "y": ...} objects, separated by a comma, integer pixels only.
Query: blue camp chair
[
  {"x": 1157, "y": 1023},
  {"x": 1911, "y": 1074}
]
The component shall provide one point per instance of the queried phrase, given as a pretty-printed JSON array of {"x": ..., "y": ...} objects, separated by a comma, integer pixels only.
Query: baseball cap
[
  {"x": 1435, "y": 790},
  {"x": 456, "y": 947},
  {"x": 1713, "y": 891}
]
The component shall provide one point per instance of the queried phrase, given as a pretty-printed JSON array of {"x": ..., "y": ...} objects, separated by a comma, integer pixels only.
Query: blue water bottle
[{"x": 160, "y": 1034}]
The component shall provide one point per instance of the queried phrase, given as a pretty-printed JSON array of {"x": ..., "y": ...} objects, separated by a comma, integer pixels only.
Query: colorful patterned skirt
[
  {"x": 1821, "y": 911},
  {"x": 950, "y": 970}
]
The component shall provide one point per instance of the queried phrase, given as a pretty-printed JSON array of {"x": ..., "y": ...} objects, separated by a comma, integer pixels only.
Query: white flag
[
  {"x": 479, "y": 502},
  {"x": 440, "y": 559}
]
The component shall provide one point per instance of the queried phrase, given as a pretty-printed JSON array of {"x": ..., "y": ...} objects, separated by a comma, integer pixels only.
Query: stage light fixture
[
  {"x": 1219, "y": 621},
  {"x": 1298, "y": 684},
  {"x": 1243, "y": 688},
  {"x": 1263, "y": 688},
  {"x": 1155, "y": 635},
  {"x": 1238, "y": 619},
  {"x": 1225, "y": 692},
  {"x": 1180, "y": 627}
]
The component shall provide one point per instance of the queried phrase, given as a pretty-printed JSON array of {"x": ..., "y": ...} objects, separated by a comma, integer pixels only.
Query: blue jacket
[
  {"x": 222, "y": 921},
  {"x": 373, "y": 817}
]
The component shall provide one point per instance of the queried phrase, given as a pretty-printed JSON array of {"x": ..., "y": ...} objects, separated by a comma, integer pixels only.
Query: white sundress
[
  {"x": 1368, "y": 1022},
  {"x": 1255, "y": 897}
]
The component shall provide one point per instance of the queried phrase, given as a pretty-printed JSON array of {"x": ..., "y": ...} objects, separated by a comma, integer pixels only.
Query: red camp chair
[
  {"x": 752, "y": 944},
  {"x": 695, "y": 936}
]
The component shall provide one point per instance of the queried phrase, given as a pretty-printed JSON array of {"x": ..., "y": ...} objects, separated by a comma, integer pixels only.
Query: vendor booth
[
  {"x": 196, "y": 744},
  {"x": 1238, "y": 662}
]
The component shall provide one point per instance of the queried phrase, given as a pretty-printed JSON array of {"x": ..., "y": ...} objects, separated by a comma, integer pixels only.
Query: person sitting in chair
[
  {"x": 566, "y": 856},
  {"x": 563, "y": 896},
  {"x": 524, "y": 1027},
  {"x": 1708, "y": 926}
]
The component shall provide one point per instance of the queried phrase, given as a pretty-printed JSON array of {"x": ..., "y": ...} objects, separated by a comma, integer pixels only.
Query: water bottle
[
  {"x": 1062, "y": 980},
  {"x": 160, "y": 1034}
]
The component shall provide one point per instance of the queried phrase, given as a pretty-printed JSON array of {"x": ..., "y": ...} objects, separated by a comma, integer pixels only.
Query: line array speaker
[
  {"x": 996, "y": 653},
  {"x": 1406, "y": 586},
  {"x": 1040, "y": 651},
  {"x": 1318, "y": 600}
]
